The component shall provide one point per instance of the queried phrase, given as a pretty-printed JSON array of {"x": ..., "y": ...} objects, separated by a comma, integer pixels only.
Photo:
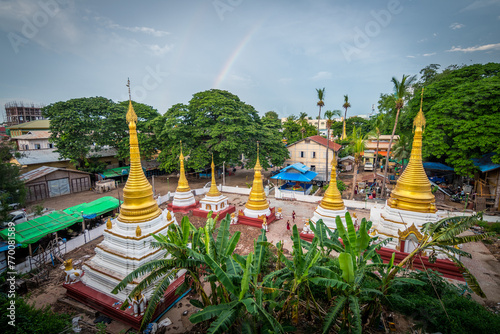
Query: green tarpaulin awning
[
  {"x": 33, "y": 230},
  {"x": 97, "y": 207}
]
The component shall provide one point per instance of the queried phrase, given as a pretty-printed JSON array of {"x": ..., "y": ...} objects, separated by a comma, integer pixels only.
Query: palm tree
[
  {"x": 356, "y": 148},
  {"x": 379, "y": 122},
  {"x": 345, "y": 105},
  {"x": 329, "y": 115},
  {"x": 402, "y": 149},
  {"x": 400, "y": 91},
  {"x": 321, "y": 95}
]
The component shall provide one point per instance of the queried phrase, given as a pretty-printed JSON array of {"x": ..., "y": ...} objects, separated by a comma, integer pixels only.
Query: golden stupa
[
  {"x": 183, "y": 185},
  {"x": 257, "y": 200},
  {"x": 213, "y": 192},
  {"x": 413, "y": 189},
  {"x": 332, "y": 200},
  {"x": 138, "y": 202}
]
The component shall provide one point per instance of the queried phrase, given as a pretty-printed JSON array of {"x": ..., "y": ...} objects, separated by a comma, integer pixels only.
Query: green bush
[
  {"x": 30, "y": 320},
  {"x": 463, "y": 315}
]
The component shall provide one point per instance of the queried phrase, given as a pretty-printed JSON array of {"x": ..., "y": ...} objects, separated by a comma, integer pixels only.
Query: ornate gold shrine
[
  {"x": 413, "y": 189},
  {"x": 332, "y": 200},
  {"x": 257, "y": 199}
]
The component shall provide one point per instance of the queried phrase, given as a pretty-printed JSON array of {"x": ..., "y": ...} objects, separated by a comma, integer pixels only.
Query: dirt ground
[{"x": 483, "y": 264}]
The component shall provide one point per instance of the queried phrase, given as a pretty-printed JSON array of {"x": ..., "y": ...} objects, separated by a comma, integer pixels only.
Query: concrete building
[
  {"x": 18, "y": 113},
  {"x": 311, "y": 151}
]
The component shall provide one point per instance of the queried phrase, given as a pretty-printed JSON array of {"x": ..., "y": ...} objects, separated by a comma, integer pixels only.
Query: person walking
[
  {"x": 293, "y": 216},
  {"x": 288, "y": 225}
]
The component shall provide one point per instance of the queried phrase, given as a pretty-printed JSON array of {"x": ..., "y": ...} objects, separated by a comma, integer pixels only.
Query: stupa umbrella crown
[
  {"x": 213, "y": 192},
  {"x": 138, "y": 202},
  {"x": 257, "y": 199},
  {"x": 183, "y": 185},
  {"x": 413, "y": 189},
  {"x": 332, "y": 200}
]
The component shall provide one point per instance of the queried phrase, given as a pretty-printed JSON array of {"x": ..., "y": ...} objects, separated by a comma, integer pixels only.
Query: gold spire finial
[
  {"x": 138, "y": 202},
  {"x": 257, "y": 199},
  {"x": 109, "y": 225},
  {"x": 332, "y": 199},
  {"x": 183, "y": 185},
  {"x": 213, "y": 192},
  {"x": 413, "y": 189},
  {"x": 419, "y": 120}
]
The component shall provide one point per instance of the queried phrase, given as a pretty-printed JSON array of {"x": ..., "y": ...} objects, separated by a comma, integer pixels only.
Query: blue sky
[{"x": 272, "y": 54}]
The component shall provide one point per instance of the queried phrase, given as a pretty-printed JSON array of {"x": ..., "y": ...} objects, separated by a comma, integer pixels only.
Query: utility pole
[{"x": 224, "y": 174}]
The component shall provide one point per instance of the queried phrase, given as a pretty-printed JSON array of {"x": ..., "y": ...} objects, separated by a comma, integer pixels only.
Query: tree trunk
[
  {"x": 389, "y": 154},
  {"x": 376, "y": 159},
  {"x": 327, "y": 149},
  {"x": 354, "y": 179},
  {"x": 319, "y": 117}
]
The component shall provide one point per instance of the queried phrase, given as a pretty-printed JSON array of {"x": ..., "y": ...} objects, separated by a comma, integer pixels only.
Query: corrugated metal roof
[
  {"x": 39, "y": 124},
  {"x": 32, "y": 157},
  {"x": 34, "y": 135},
  {"x": 297, "y": 166},
  {"x": 42, "y": 171},
  {"x": 485, "y": 164}
]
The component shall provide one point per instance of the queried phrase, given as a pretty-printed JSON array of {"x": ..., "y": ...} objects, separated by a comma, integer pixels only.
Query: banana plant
[{"x": 246, "y": 304}]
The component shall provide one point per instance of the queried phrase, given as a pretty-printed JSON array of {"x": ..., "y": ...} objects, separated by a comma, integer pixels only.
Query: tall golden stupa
[
  {"x": 332, "y": 204},
  {"x": 413, "y": 189},
  {"x": 138, "y": 201},
  {"x": 127, "y": 239},
  {"x": 411, "y": 203},
  {"x": 257, "y": 204}
]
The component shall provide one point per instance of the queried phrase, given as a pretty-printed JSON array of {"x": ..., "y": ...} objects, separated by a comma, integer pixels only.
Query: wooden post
[
  {"x": 31, "y": 256},
  {"x": 224, "y": 173}
]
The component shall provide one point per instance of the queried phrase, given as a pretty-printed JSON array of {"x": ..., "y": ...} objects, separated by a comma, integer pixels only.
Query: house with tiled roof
[{"x": 311, "y": 151}]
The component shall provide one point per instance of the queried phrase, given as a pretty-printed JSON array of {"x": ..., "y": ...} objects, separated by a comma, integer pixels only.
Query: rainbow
[{"x": 234, "y": 55}]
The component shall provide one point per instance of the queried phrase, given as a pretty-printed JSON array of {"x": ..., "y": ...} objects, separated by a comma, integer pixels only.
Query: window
[
  {"x": 51, "y": 145},
  {"x": 37, "y": 146},
  {"x": 301, "y": 154},
  {"x": 313, "y": 168}
]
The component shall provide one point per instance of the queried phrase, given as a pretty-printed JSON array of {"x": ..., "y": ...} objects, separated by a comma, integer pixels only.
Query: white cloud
[
  {"x": 456, "y": 26},
  {"x": 322, "y": 75},
  {"x": 410, "y": 56},
  {"x": 429, "y": 54},
  {"x": 158, "y": 50},
  {"x": 486, "y": 47},
  {"x": 146, "y": 30},
  {"x": 480, "y": 4}
]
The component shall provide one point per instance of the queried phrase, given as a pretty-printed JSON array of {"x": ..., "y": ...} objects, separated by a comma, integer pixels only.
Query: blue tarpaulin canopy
[
  {"x": 484, "y": 163},
  {"x": 437, "y": 166},
  {"x": 296, "y": 172}
]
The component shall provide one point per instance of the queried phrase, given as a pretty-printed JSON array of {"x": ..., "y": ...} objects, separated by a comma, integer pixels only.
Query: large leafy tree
[
  {"x": 461, "y": 106},
  {"x": 401, "y": 93},
  {"x": 79, "y": 125},
  {"x": 12, "y": 189},
  {"x": 219, "y": 123},
  {"x": 296, "y": 129},
  {"x": 320, "y": 103}
]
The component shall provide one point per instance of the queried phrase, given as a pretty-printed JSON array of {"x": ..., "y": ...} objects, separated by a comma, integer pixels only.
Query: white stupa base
[
  {"x": 388, "y": 222},
  {"x": 329, "y": 216},
  {"x": 214, "y": 203},
  {"x": 183, "y": 199},
  {"x": 121, "y": 252},
  {"x": 256, "y": 213}
]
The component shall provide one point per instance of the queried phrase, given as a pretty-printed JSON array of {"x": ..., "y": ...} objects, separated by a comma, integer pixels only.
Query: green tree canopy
[
  {"x": 295, "y": 129},
  {"x": 219, "y": 123},
  {"x": 81, "y": 126},
  {"x": 12, "y": 189},
  {"x": 461, "y": 106}
]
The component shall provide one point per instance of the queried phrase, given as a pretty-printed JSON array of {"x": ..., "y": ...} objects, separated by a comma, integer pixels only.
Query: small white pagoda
[
  {"x": 332, "y": 204},
  {"x": 183, "y": 198},
  {"x": 213, "y": 201}
]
